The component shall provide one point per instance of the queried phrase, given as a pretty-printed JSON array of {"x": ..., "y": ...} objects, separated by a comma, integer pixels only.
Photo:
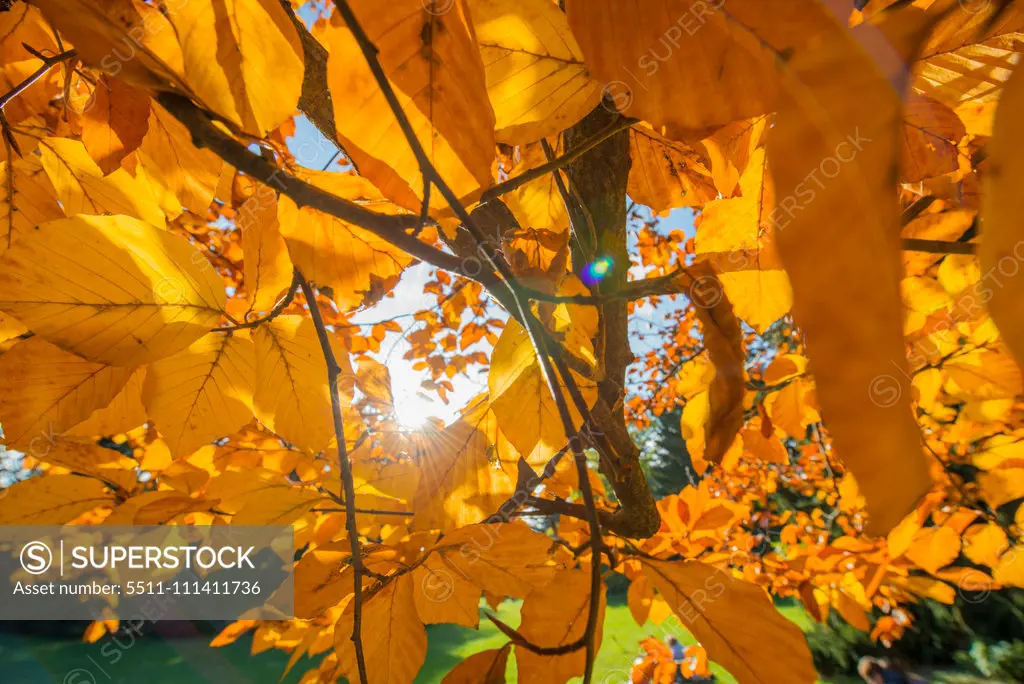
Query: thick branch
[{"x": 345, "y": 470}]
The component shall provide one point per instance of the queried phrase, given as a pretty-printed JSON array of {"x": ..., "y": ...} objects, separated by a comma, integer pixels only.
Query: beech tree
[{"x": 846, "y": 321}]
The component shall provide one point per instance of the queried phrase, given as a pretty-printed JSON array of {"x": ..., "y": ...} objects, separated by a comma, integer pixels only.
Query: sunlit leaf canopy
[{"x": 795, "y": 224}]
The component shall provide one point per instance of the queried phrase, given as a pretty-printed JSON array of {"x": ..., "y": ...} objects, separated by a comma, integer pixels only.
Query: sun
[{"x": 412, "y": 410}]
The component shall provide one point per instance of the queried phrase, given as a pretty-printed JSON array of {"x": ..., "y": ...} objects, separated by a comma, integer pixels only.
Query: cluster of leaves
[{"x": 157, "y": 228}]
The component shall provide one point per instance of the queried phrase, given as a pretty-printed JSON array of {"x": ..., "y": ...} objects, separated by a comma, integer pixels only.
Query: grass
[{"x": 155, "y": 660}]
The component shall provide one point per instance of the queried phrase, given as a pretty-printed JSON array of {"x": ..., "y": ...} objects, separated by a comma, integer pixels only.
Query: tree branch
[
  {"x": 519, "y": 640},
  {"x": 274, "y": 313},
  {"x": 388, "y": 227},
  {"x": 48, "y": 63},
  {"x": 938, "y": 246},
  {"x": 569, "y": 157},
  {"x": 345, "y": 470}
]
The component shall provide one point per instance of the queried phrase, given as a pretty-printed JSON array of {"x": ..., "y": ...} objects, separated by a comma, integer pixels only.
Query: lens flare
[{"x": 596, "y": 270}]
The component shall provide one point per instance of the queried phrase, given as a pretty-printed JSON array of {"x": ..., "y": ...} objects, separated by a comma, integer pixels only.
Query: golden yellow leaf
[
  {"x": 27, "y": 199},
  {"x": 394, "y": 640},
  {"x": 171, "y": 160},
  {"x": 243, "y": 58},
  {"x": 462, "y": 481},
  {"x": 87, "y": 458},
  {"x": 323, "y": 578},
  {"x": 985, "y": 543},
  {"x": 851, "y": 612},
  {"x": 658, "y": 65},
  {"x": 1002, "y": 485},
  {"x": 434, "y": 64},
  {"x": 111, "y": 289},
  {"x": 52, "y": 500},
  {"x": 508, "y": 559},
  {"x": 151, "y": 57},
  {"x": 277, "y": 506},
  {"x": 947, "y": 225},
  {"x": 443, "y": 596},
  {"x": 738, "y": 236},
  {"x": 729, "y": 150},
  {"x": 83, "y": 189},
  {"x": 520, "y": 398},
  {"x": 934, "y": 548},
  {"x": 202, "y": 393},
  {"x": 1001, "y": 247},
  {"x": 47, "y": 390},
  {"x": 292, "y": 396},
  {"x": 556, "y": 615},
  {"x": 485, "y": 667},
  {"x": 538, "y": 205},
  {"x": 666, "y": 174},
  {"x": 154, "y": 508},
  {"x": 340, "y": 255},
  {"x": 792, "y": 408},
  {"x": 267, "y": 269},
  {"x": 124, "y": 412},
  {"x": 735, "y": 621},
  {"x": 537, "y": 82},
  {"x": 840, "y": 119},
  {"x": 639, "y": 598},
  {"x": 115, "y": 123}
]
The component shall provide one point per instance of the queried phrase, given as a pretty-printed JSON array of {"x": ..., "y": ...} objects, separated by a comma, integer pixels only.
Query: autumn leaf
[
  {"x": 202, "y": 393},
  {"x": 485, "y": 667},
  {"x": 82, "y": 188},
  {"x": 520, "y": 398},
  {"x": 556, "y": 615},
  {"x": 28, "y": 200},
  {"x": 440, "y": 85},
  {"x": 243, "y": 58},
  {"x": 50, "y": 391},
  {"x": 735, "y": 621},
  {"x": 292, "y": 396},
  {"x": 154, "y": 298},
  {"x": 536, "y": 79},
  {"x": 394, "y": 639},
  {"x": 115, "y": 124},
  {"x": 333, "y": 253},
  {"x": 1003, "y": 203},
  {"x": 843, "y": 260},
  {"x": 656, "y": 64},
  {"x": 52, "y": 500}
]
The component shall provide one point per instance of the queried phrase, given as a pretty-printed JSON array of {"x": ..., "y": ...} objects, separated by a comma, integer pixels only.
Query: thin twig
[
  {"x": 48, "y": 63},
  {"x": 345, "y": 469},
  {"x": 569, "y": 157},
  {"x": 938, "y": 246},
  {"x": 274, "y": 313}
]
